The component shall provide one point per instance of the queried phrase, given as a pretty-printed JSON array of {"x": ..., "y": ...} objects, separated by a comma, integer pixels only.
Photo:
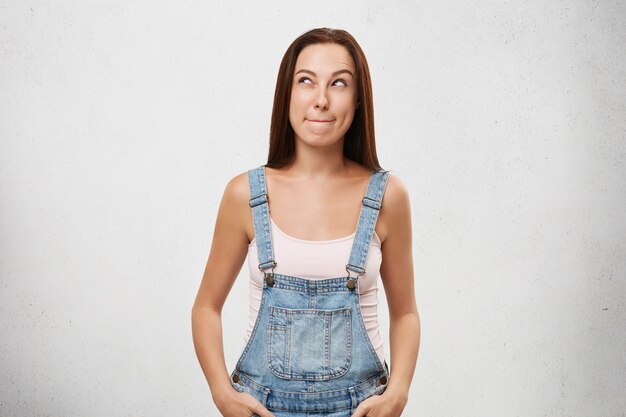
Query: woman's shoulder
[
  {"x": 395, "y": 184},
  {"x": 238, "y": 188},
  {"x": 396, "y": 191},
  {"x": 395, "y": 212}
]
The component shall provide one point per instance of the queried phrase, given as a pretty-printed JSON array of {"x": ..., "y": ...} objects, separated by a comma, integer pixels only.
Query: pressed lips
[{"x": 319, "y": 120}]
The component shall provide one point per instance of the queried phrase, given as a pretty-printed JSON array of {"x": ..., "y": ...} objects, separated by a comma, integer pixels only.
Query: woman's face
[{"x": 323, "y": 94}]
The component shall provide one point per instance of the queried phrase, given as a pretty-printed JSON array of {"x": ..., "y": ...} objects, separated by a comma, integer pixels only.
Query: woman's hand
[
  {"x": 387, "y": 404},
  {"x": 240, "y": 404}
]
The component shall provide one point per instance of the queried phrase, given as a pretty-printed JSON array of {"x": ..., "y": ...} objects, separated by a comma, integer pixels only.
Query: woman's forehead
[{"x": 324, "y": 59}]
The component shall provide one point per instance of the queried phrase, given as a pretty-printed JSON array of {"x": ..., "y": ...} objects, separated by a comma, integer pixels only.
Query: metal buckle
[
  {"x": 267, "y": 197},
  {"x": 348, "y": 271},
  {"x": 351, "y": 284},
  {"x": 273, "y": 266},
  {"x": 376, "y": 205},
  {"x": 268, "y": 277}
]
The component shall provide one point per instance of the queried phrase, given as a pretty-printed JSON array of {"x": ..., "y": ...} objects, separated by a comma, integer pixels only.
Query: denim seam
[{"x": 371, "y": 381}]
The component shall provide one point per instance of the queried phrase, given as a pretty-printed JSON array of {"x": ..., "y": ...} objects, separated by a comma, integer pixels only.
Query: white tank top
[{"x": 315, "y": 260}]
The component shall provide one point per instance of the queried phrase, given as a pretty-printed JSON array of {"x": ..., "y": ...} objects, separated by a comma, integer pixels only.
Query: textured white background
[{"x": 122, "y": 122}]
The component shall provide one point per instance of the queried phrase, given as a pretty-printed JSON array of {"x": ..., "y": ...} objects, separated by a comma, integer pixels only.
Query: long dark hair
[{"x": 359, "y": 143}]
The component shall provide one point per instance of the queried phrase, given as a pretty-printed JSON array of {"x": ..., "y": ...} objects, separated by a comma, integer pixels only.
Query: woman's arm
[
  {"x": 397, "y": 276},
  {"x": 396, "y": 273},
  {"x": 227, "y": 254}
]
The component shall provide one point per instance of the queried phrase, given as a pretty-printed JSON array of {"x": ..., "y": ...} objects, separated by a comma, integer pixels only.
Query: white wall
[{"x": 121, "y": 123}]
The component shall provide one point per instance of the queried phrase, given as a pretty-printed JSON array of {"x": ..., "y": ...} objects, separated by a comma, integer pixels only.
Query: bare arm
[
  {"x": 397, "y": 276},
  {"x": 226, "y": 257}
]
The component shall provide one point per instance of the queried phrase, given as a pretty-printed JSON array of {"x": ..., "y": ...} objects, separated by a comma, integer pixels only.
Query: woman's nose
[{"x": 322, "y": 99}]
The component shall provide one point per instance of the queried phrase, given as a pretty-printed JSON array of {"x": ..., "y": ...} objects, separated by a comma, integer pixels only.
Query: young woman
[{"x": 314, "y": 253}]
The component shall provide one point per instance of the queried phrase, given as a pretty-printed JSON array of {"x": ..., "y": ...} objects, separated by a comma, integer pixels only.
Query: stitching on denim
[
  {"x": 271, "y": 331},
  {"x": 288, "y": 347},
  {"x": 369, "y": 383},
  {"x": 341, "y": 288},
  {"x": 314, "y": 311},
  {"x": 328, "y": 325}
]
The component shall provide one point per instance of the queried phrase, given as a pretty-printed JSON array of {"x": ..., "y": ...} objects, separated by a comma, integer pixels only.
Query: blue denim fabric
[{"x": 309, "y": 353}]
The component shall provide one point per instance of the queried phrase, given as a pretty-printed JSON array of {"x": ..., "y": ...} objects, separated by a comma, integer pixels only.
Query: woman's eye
[{"x": 301, "y": 79}]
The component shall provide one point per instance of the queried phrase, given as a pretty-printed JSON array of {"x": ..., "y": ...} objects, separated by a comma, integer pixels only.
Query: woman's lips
[{"x": 320, "y": 126}]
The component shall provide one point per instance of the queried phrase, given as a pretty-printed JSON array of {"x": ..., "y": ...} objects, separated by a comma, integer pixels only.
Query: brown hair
[{"x": 359, "y": 144}]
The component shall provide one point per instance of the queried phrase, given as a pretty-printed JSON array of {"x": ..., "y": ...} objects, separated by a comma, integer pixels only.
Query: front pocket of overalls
[{"x": 309, "y": 344}]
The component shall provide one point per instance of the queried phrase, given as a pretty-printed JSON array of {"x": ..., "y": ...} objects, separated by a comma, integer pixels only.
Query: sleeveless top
[{"x": 302, "y": 258}]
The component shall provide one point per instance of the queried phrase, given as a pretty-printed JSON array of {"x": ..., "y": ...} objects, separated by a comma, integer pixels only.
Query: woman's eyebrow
[{"x": 341, "y": 71}]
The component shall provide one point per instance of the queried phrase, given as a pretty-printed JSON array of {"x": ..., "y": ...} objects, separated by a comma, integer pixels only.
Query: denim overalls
[{"x": 309, "y": 352}]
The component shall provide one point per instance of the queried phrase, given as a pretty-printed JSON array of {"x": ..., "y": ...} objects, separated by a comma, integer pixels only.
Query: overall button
[
  {"x": 270, "y": 280},
  {"x": 350, "y": 283},
  {"x": 382, "y": 381},
  {"x": 236, "y": 379}
]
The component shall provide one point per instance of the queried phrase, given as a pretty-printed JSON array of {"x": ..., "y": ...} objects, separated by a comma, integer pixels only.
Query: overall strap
[
  {"x": 372, "y": 203},
  {"x": 259, "y": 202}
]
